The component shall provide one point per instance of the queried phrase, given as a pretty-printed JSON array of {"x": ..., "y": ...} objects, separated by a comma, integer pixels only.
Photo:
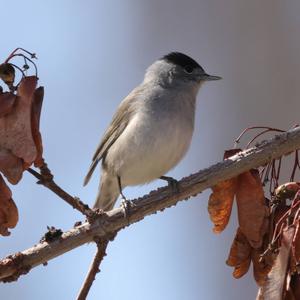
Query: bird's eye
[{"x": 188, "y": 69}]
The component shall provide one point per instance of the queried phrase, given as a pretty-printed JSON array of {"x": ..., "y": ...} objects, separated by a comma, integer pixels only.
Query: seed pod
[{"x": 7, "y": 73}]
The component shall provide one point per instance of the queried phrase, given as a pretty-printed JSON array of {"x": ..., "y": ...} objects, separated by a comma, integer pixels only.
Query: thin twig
[
  {"x": 268, "y": 129},
  {"x": 94, "y": 268},
  {"x": 46, "y": 179},
  {"x": 95, "y": 265}
]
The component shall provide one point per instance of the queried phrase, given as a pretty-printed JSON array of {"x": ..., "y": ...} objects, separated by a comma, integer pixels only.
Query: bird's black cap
[{"x": 182, "y": 60}]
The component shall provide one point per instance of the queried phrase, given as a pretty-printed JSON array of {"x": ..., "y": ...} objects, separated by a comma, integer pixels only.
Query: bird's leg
[
  {"x": 126, "y": 204},
  {"x": 172, "y": 183},
  {"x": 120, "y": 189}
]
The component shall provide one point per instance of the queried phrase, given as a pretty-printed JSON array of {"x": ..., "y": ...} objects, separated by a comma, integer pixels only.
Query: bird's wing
[{"x": 117, "y": 126}]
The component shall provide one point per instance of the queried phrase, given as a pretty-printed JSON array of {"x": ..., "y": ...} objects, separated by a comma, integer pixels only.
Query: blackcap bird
[{"x": 152, "y": 128}]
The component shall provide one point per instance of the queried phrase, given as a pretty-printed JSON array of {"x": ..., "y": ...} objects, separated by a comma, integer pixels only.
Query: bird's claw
[{"x": 126, "y": 205}]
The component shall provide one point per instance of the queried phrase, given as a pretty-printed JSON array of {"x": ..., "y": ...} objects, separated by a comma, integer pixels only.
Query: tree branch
[
  {"x": 106, "y": 224},
  {"x": 46, "y": 179}
]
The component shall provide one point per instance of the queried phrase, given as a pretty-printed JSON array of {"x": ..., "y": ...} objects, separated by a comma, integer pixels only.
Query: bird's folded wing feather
[{"x": 117, "y": 126}]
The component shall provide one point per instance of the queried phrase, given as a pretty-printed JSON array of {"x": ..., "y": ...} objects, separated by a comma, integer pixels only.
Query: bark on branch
[{"x": 111, "y": 222}]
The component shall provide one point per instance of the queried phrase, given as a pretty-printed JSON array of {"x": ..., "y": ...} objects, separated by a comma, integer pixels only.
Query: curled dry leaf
[
  {"x": 8, "y": 210},
  {"x": 260, "y": 267},
  {"x": 15, "y": 128},
  {"x": 239, "y": 255},
  {"x": 19, "y": 130},
  {"x": 220, "y": 203},
  {"x": 20, "y": 140},
  {"x": 252, "y": 212},
  {"x": 252, "y": 216}
]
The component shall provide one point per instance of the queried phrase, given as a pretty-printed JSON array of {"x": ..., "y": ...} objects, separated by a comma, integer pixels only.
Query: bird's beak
[{"x": 207, "y": 77}]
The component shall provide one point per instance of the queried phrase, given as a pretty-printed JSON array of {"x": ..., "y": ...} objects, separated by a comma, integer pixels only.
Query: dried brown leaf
[
  {"x": 11, "y": 166},
  {"x": 274, "y": 286},
  {"x": 239, "y": 255},
  {"x": 280, "y": 212},
  {"x": 295, "y": 286},
  {"x": 7, "y": 73},
  {"x": 35, "y": 125},
  {"x": 7, "y": 101},
  {"x": 8, "y": 210},
  {"x": 220, "y": 203},
  {"x": 252, "y": 211},
  {"x": 260, "y": 267},
  {"x": 241, "y": 269},
  {"x": 15, "y": 128},
  {"x": 295, "y": 258}
]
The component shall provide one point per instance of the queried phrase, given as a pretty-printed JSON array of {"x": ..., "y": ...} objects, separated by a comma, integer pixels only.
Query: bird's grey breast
[{"x": 170, "y": 107}]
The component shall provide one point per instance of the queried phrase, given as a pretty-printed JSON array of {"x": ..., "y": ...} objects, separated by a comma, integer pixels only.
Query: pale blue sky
[{"x": 91, "y": 54}]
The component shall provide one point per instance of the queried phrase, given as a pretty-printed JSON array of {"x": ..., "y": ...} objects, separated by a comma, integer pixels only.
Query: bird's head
[{"x": 178, "y": 69}]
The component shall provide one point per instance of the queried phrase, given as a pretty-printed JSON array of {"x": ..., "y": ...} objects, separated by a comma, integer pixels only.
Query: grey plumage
[{"x": 152, "y": 128}]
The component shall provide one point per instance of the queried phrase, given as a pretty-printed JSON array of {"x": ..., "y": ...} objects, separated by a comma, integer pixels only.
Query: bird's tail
[
  {"x": 108, "y": 192},
  {"x": 90, "y": 172}
]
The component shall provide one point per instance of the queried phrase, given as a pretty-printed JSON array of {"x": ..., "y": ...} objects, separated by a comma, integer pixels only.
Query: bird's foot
[
  {"x": 126, "y": 205},
  {"x": 172, "y": 183}
]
